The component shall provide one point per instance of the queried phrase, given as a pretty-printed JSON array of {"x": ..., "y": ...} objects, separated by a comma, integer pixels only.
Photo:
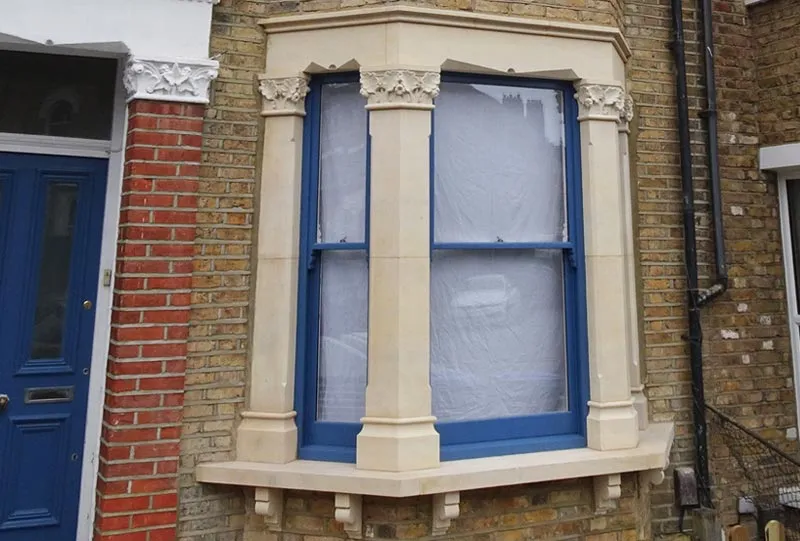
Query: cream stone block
[
  {"x": 324, "y": 49},
  {"x": 608, "y": 329},
  {"x": 400, "y": 183},
  {"x": 610, "y": 427},
  {"x": 279, "y": 200},
  {"x": 268, "y": 440},
  {"x": 496, "y": 52},
  {"x": 413, "y": 35},
  {"x": 604, "y": 210},
  {"x": 397, "y": 447},
  {"x": 275, "y": 325},
  {"x": 398, "y": 383}
]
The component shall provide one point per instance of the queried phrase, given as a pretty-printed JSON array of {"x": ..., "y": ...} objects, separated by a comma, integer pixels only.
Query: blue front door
[{"x": 51, "y": 218}]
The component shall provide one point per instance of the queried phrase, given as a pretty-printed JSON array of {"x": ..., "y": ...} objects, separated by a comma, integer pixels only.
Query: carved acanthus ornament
[
  {"x": 400, "y": 88},
  {"x": 283, "y": 96},
  {"x": 601, "y": 102},
  {"x": 170, "y": 80}
]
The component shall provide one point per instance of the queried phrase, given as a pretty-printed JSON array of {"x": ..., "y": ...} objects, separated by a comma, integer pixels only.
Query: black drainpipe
[{"x": 697, "y": 298}]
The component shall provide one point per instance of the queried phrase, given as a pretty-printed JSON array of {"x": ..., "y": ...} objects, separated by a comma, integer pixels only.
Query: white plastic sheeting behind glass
[
  {"x": 342, "y": 361},
  {"x": 497, "y": 340},
  {"x": 497, "y": 316},
  {"x": 342, "y": 337},
  {"x": 498, "y": 164},
  {"x": 342, "y": 164}
]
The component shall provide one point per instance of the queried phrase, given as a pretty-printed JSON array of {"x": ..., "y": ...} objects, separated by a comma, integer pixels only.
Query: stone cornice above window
[
  {"x": 749, "y": 3},
  {"x": 457, "y": 19},
  {"x": 169, "y": 80}
]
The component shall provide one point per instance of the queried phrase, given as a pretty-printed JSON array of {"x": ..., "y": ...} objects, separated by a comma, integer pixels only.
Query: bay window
[{"x": 507, "y": 312}]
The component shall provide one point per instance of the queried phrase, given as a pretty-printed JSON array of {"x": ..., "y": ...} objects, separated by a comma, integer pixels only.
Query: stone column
[
  {"x": 268, "y": 432},
  {"x": 612, "y": 421},
  {"x": 398, "y": 432},
  {"x": 637, "y": 389}
]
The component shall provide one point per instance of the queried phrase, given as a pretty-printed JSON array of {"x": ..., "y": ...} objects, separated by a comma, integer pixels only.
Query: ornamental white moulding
[
  {"x": 602, "y": 102},
  {"x": 187, "y": 81},
  {"x": 283, "y": 96},
  {"x": 406, "y": 88}
]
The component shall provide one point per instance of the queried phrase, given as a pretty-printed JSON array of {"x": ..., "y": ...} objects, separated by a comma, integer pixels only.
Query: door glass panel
[
  {"x": 56, "y": 249},
  {"x": 64, "y": 96}
]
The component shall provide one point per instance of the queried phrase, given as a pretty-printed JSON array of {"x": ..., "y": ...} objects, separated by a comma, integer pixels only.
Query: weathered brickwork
[
  {"x": 748, "y": 367},
  {"x": 747, "y": 359},
  {"x": 544, "y": 511},
  {"x": 137, "y": 488},
  {"x": 777, "y": 46}
]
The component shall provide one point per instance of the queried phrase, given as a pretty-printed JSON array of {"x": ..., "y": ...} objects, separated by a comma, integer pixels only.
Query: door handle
[{"x": 4, "y": 400}]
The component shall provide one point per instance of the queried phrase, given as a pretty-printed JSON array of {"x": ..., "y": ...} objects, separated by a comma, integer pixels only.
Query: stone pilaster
[
  {"x": 637, "y": 388},
  {"x": 268, "y": 432},
  {"x": 398, "y": 432},
  {"x": 613, "y": 421}
]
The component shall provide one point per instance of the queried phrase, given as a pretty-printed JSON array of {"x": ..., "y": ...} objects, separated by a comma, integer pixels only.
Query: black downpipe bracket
[{"x": 697, "y": 298}]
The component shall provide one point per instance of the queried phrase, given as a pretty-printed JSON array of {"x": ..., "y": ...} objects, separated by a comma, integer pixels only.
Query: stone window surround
[{"x": 398, "y": 448}]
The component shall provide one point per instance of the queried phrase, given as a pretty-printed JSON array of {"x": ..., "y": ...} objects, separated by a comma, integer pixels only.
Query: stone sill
[
  {"x": 753, "y": 2},
  {"x": 652, "y": 454}
]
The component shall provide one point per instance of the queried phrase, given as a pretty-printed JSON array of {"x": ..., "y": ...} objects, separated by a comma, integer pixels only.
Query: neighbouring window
[
  {"x": 57, "y": 95},
  {"x": 508, "y": 348}
]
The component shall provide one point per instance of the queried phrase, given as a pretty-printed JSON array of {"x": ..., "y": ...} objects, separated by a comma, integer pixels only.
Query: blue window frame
[
  {"x": 325, "y": 434},
  {"x": 464, "y": 432},
  {"x": 334, "y": 249}
]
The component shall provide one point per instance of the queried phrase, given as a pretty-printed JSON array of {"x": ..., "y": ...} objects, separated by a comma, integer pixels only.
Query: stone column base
[
  {"x": 640, "y": 405},
  {"x": 397, "y": 444},
  {"x": 612, "y": 425},
  {"x": 267, "y": 437}
]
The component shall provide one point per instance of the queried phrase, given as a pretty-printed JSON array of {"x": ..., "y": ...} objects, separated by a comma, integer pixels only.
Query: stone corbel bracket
[
  {"x": 348, "y": 512},
  {"x": 445, "y": 509},
  {"x": 651, "y": 477},
  {"x": 607, "y": 491},
  {"x": 269, "y": 504}
]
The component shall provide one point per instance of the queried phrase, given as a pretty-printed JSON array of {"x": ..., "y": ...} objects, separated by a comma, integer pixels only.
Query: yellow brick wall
[
  {"x": 750, "y": 375},
  {"x": 775, "y": 26}
]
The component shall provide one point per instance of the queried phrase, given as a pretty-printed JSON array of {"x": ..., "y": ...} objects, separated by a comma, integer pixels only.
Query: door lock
[
  {"x": 4, "y": 401},
  {"x": 87, "y": 305}
]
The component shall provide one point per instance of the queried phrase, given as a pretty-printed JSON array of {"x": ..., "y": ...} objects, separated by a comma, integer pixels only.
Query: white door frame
[
  {"x": 114, "y": 151},
  {"x": 793, "y": 310},
  {"x": 784, "y": 161}
]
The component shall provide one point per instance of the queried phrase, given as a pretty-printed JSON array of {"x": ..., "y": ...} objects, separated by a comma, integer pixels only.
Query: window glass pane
[
  {"x": 498, "y": 164},
  {"x": 343, "y": 164},
  {"x": 342, "y": 336},
  {"x": 51, "y": 303},
  {"x": 497, "y": 334},
  {"x": 65, "y": 96},
  {"x": 793, "y": 190}
]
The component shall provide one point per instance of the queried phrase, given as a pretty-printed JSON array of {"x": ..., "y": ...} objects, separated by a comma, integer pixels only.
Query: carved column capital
[
  {"x": 283, "y": 96},
  {"x": 169, "y": 80},
  {"x": 600, "y": 102},
  {"x": 400, "y": 88},
  {"x": 626, "y": 115}
]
